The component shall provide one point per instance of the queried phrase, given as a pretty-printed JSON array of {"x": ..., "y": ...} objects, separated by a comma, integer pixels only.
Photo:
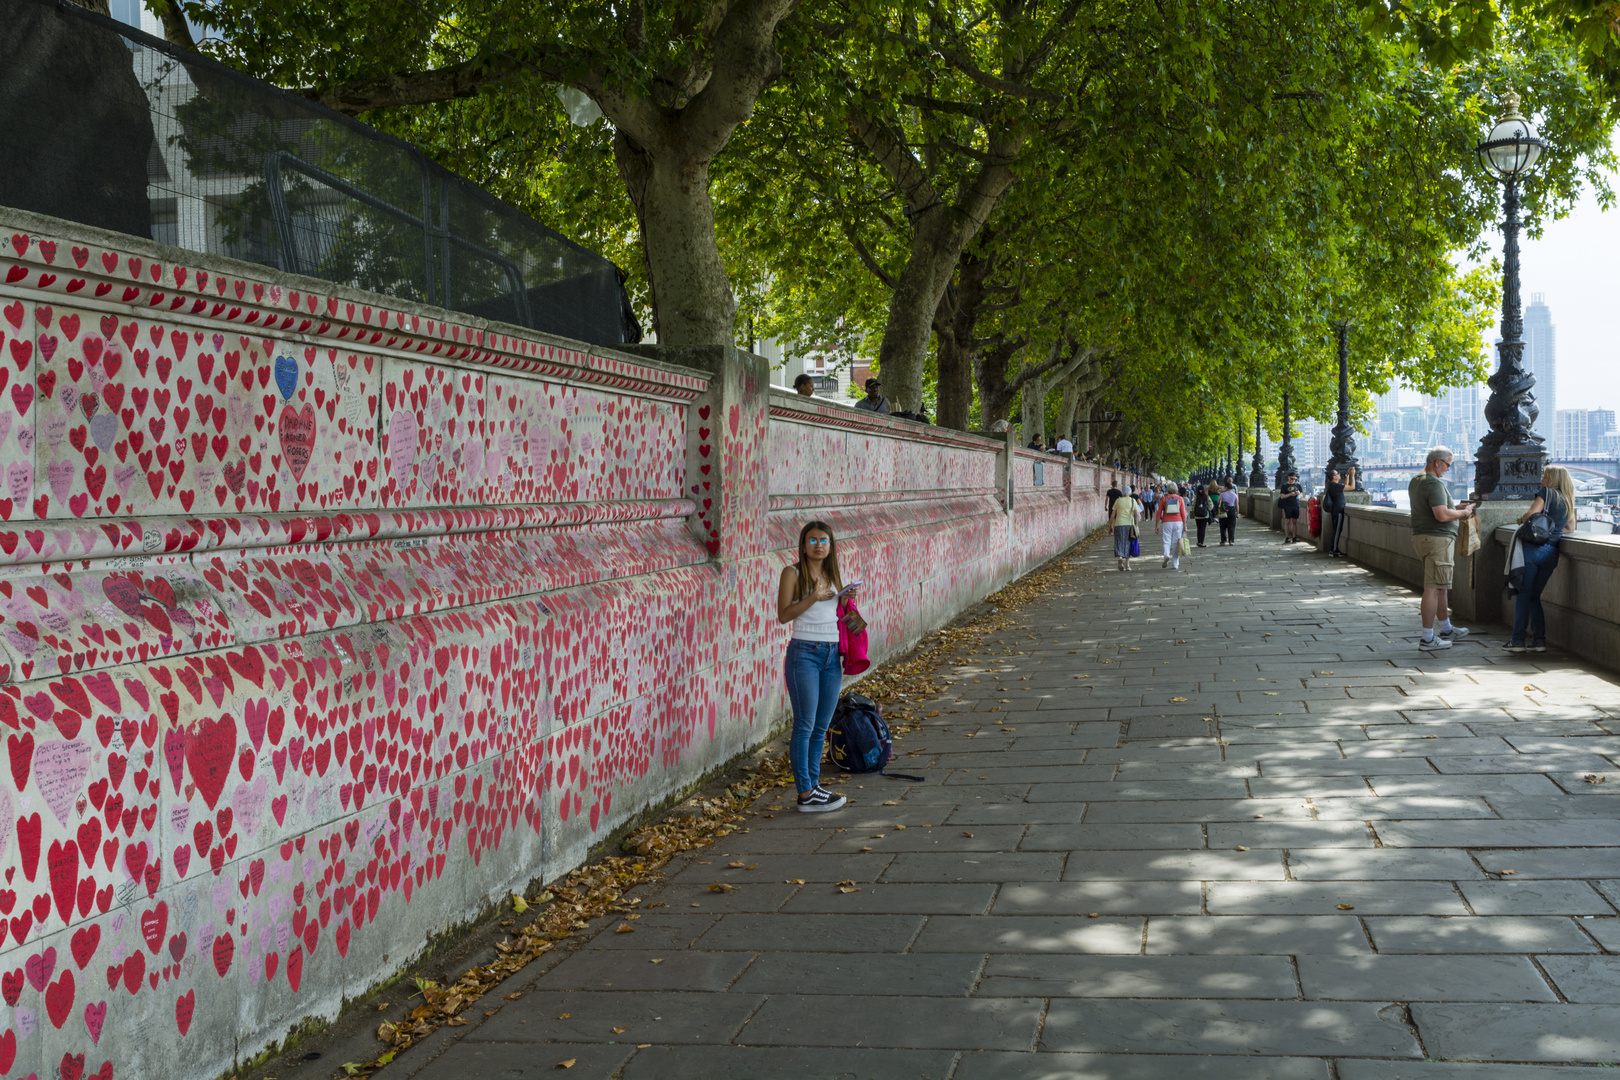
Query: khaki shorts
[{"x": 1439, "y": 559}]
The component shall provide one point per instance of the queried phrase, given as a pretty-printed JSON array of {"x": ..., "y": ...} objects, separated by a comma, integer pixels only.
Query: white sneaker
[
  {"x": 1436, "y": 642},
  {"x": 1456, "y": 633},
  {"x": 820, "y": 802}
]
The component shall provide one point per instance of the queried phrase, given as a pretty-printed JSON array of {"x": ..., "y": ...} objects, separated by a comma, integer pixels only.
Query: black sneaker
[{"x": 821, "y": 801}]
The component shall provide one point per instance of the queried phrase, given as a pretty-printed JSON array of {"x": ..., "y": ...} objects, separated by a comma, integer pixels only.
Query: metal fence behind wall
[{"x": 108, "y": 126}]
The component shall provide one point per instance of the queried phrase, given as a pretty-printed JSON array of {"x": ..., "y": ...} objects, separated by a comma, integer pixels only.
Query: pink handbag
[{"x": 852, "y": 638}]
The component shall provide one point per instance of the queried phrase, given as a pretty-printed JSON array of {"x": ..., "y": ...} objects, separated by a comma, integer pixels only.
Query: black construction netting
[{"x": 107, "y": 126}]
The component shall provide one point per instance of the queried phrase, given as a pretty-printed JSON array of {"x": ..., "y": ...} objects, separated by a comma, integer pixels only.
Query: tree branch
[
  {"x": 462, "y": 80},
  {"x": 745, "y": 62},
  {"x": 896, "y": 158},
  {"x": 866, "y": 256}
]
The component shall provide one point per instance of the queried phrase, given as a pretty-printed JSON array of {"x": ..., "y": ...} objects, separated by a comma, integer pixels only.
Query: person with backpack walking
[
  {"x": 1170, "y": 522},
  {"x": 1557, "y": 500},
  {"x": 1202, "y": 511},
  {"x": 808, "y": 598}
]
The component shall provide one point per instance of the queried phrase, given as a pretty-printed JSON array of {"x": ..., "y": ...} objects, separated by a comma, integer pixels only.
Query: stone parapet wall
[{"x": 327, "y": 620}]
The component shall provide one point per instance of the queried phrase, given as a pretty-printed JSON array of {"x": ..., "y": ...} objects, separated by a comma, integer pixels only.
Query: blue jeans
[
  {"x": 814, "y": 677},
  {"x": 1540, "y": 560}
]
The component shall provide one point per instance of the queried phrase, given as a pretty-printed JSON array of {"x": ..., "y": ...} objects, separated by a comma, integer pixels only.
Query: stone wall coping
[
  {"x": 795, "y": 408},
  {"x": 113, "y": 272}
]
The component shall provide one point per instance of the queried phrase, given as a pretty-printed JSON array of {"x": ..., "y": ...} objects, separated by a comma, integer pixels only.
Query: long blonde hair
[
  {"x": 829, "y": 565},
  {"x": 1562, "y": 483}
]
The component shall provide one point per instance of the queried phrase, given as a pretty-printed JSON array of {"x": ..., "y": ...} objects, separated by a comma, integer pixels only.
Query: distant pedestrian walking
[
  {"x": 808, "y": 598},
  {"x": 1333, "y": 507},
  {"x": 1202, "y": 510},
  {"x": 1434, "y": 538},
  {"x": 1170, "y": 521},
  {"x": 1228, "y": 510},
  {"x": 1114, "y": 493},
  {"x": 1288, "y": 493},
  {"x": 1123, "y": 518},
  {"x": 1538, "y": 560}
]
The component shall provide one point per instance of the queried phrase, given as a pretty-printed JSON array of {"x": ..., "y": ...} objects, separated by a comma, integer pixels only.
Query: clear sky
[{"x": 1575, "y": 264}]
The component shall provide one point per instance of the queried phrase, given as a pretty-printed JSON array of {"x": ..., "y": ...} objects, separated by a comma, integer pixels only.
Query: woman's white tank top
[{"x": 820, "y": 623}]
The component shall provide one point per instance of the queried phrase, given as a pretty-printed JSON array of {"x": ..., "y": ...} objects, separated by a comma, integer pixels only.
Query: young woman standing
[
  {"x": 1201, "y": 510},
  {"x": 808, "y": 598},
  {"x": 1333, "y": 507}
]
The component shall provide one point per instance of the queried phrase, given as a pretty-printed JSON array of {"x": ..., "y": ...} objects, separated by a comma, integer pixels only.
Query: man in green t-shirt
[{"x": 1434, "y": 538}]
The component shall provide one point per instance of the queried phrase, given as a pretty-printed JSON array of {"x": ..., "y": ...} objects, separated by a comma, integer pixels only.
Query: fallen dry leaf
[
  {"x": 660, "y": 960},
  {"x": 933, "y": 712},
  {"x": 734, "y": 865},
  {"x": 868, "y": 848},
  {"x": 1347, "y": 907},
  {"x": 899, "y": 826},
  {"x": 794, "y": 881},
  {"x": 625, "y": 928},
  {"x": 721, "y": 887},
  {"x": 514, "y": 995},
  {"x": 1594, "y": 778},
  {"x": 848, "y": 889},
  {"x": 1504, "y": 873},
  {"x": 892, "y": 802},
  {"x": 876, "y": 836},
  {"x": 1178, "y": 699},
  {"x": 620, "y": 1030},
  {"x": 569, "y": 1064},
  {"x": 967, "y": 834},
  {"x": 1240, "y": 847},
  {"x": 566, "y": 1016},
  {"x": 1094, "y": 915}
]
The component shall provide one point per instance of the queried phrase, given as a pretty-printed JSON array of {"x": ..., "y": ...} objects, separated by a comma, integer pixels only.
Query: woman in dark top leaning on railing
[{"x": 1333, "y": 507}]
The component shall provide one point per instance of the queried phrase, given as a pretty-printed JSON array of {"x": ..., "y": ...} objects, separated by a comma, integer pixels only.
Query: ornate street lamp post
[
  {"x": 1512, "y": 456},
  {"x": 1343, "y": 446},
  {"x": 1257, "y": 473},
  {"x": 1285, "y": 452}
]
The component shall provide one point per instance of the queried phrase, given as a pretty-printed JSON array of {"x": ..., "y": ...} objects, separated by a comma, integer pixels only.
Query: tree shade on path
[{"x": 1227, "y": 823}]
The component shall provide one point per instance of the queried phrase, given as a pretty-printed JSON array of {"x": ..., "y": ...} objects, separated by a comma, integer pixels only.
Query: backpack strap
[{"x": 901, "y": 776}]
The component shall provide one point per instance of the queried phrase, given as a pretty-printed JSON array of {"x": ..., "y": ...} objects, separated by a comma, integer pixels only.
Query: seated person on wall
[{"x": 873, "y": 401}]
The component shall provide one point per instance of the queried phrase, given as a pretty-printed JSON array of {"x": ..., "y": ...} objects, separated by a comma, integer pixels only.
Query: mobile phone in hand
[{"x": 847, "y": 589}]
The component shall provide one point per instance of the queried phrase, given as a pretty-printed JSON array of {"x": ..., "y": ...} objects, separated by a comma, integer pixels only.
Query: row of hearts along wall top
[{"x": 311, "y": 606}]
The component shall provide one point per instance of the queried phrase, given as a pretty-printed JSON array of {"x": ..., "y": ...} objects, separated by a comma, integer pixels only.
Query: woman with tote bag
[
  {"x": 1123, "y": 519},
  {"x": 1170, "y": 522}
]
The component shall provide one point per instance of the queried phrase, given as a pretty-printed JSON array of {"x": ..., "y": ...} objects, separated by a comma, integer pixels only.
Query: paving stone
[
  {"x": 1500, "y": 783},
  {"x": 1318, "y": 898},
  {"x": 897, "y": 899},
  {"x": 1196, "y": 810},
  {"x": 1250, "y": 935},
  {"x": 633, "y": 969},
  {"x": 658, "y": 930},
  {"x": 1293, "y": 1028},
  {"x": 1001, "y": 1065},
  {"x": 1568, "y": 863},
  {"x": 517, "y": 1060},
  {"x": 963, "y": 794},
  {"x": 975, "y": 866},
  {"x": 1478, "y": 934},
  {"x": 1352, "y": 1069},
  {"x": 1031, "y": 934},
  {"x": 1108, "y": 897},
  {"x": 1050, "y": 774},
  {"x": 915, "y": 974},
  {"x": 1140, "y": 789},
  {"x": 1583, "y": 1034},
  {"x": 649, "y": 1017},
  {"x": 1424, "y": 978},
  {"x": 1101, "y": 837},
  {"x": 1138, "y": 977},
  {"x": 1291, "y": 834},
  {"x": 919, "y": 838},
  {"x": 1585, "y": 980},
  {"x": 805, "y": 932},
  {"x": 749, "y": 896},
  {"x": 1535, "y": 898},
  {"x": 754, "y": 1062},
  {"x": 776, "y": 869},
  {"x": 1175, "y": 865},
  {"x": 1383, "y": 864},
  {"x": 1543, "y": 834},
  {"x": 912, "y": 1022},
  {"x": 1055, "y": 813},
  {"x": 1178, "y": 770}
]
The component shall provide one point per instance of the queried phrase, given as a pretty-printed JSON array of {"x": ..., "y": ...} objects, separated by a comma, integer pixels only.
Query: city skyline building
[{"x": 1541, "y": 360}]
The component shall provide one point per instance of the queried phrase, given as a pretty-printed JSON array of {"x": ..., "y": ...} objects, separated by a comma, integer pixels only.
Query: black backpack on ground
[{"x": 858, "y": 738}]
